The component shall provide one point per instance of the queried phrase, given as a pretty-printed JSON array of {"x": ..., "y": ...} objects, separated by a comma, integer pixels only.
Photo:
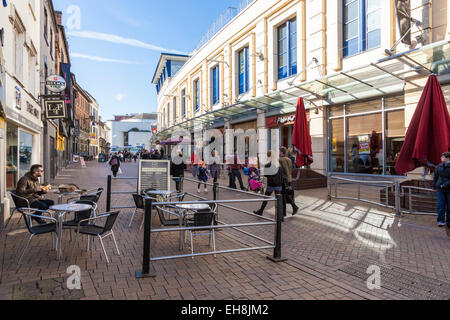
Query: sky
[{"x": 115, "y": 45}]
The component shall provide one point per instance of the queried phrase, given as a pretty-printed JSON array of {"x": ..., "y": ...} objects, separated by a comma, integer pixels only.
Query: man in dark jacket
[
  {"x": 29, "y": 188},
  {"x": 441, "y": 184},
  {"x": 177, "y": 167},
  {"x": 287, "y": 192}
]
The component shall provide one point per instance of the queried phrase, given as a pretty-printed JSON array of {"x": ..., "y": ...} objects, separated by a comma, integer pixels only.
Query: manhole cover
[
  {"x": 49, "y": 289},
  {"x": 407, "y": 283}
]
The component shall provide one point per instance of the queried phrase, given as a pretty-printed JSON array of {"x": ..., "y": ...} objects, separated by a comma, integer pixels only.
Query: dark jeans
[
  {"x": 236, "y": 173},
  {"x": 264, "y": 204},
  {"x": 443, "y": 199},
  {"x": 178, "y": 184},
  {"x": 287, "y": 199},
  {"x": 42, "y": 205}
]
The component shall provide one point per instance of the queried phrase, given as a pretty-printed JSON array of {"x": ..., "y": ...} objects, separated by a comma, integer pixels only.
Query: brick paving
[{"x": 321, "y": 239}]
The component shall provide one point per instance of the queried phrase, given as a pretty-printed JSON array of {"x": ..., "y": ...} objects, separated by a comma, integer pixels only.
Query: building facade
[
  {"x": 83, "y": 121},
  {"x": 132, "y": 132},
  {"x": 21, "y": 125},
  {"x": 360, "y": 85}
]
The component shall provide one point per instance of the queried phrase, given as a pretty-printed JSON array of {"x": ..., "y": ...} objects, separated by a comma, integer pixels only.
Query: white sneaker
[
  {"x": 441, "y": 224},
  {"x": 198, "y": 190},
  {"x": 206, "y": 189}
]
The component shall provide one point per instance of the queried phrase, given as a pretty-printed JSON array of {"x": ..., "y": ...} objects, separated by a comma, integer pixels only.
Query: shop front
[
  {"x": 245, "y": 137},
  {"x": 366, "y": 137},
  {"x": 285, "y": 123}
]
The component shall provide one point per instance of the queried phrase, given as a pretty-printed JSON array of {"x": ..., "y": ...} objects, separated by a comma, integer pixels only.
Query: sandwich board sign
[{"x": 153, "y": 174}]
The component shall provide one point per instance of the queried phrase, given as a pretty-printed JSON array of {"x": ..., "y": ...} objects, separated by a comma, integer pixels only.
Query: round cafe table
[
  {"x": 61, "y": 210},
  {"x": 184, "y": 208}
]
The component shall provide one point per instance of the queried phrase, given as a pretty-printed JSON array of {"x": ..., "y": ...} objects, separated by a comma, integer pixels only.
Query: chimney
[{"x": 58, "y": 16}]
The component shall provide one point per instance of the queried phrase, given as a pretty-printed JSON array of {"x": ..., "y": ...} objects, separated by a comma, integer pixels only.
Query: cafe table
[
  {"x": 61, "y": 210},
  {"x": 184, "y": 209},
  {"x": 61, "y": 195}
]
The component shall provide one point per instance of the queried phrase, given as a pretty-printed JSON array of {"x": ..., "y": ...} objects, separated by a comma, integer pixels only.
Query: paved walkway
[{"x": 329, "y": 246}]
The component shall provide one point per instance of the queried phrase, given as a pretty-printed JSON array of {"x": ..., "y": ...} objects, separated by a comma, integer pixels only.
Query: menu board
[{"x": 153, "y": 174}]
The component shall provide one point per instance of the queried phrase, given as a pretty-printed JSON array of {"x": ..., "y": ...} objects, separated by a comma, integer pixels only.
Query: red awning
[
  {"x": 428, "y": 134},
  {"x": 301, "y": 139}
]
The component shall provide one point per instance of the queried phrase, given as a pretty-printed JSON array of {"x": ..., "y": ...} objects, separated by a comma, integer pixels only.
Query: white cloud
[
  {"x": 120, "y": 40},
  {"x": 119, "y": 97},
  {"x": 99, "y": 59}
]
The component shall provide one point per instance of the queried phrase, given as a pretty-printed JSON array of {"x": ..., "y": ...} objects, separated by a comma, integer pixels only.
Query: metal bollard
[
  {"x": 279, "y": 217},
  {"x": 108, "y": 194},
  {"x": 146, "y": 272}
]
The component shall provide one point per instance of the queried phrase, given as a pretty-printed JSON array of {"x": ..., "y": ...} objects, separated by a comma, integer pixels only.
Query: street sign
[
  {"x": 55, "y": 109},
  {"x": 55, "y": 83},
  {"x": 153, "y": 174}
]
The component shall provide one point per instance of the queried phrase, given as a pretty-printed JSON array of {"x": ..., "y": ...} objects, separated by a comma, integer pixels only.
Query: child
[
  {"x": 255, "y": 180},
  {"x": 202, "y": 175}
]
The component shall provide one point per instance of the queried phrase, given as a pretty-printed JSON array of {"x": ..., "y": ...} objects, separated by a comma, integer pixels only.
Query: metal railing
[
  {"x": 385, "y": 193},
  {"x": 221, "y": 22},
  {"x": 275, "y": 244}
]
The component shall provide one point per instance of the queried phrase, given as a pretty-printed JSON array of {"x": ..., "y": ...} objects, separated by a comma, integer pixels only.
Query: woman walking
[
  {"x": 214, "y": 167},
  {"x": 177, "y": 167},
  {"x": 274, "y": 180},
  {"x": 441, "y": 183},
  {"x": 115, "y": 164}
]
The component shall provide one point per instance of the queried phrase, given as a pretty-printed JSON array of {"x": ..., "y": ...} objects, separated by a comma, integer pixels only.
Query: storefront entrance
[{"x": 366, "y": 137}]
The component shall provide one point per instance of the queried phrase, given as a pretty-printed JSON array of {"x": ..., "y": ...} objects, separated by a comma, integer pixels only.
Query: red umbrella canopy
[
  {"x": 301, "y": 139},
  {"x": 428, "y": 135}
]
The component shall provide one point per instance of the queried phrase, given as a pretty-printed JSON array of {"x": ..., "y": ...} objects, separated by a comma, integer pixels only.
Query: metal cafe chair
[
  {"x": 91, "y": 195},
  {"x": 71, "y": 224},
  {"x": 100, "y": 232},
  {"x": 166, "y": 222},
  {"x": 27, "y": 213},
  {"x": 203, "y": 218},
  {"x": 19, "y": 202}
]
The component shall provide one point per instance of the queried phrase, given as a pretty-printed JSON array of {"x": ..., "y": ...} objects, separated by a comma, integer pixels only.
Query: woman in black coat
[
  {"x": 441, "y": 183},
  {"x": 177, "y": 167}
]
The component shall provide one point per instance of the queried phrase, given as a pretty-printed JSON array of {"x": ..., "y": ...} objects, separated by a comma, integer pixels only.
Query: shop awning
[{"x": 384, "y": 77}]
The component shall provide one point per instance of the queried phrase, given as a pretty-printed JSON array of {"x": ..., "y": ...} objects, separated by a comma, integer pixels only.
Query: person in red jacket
[{"x": 235, "y": 167}]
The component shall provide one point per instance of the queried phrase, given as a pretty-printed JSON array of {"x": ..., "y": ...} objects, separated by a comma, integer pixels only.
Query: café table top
[
  {"x": 160, "y": 192},
  {"x": 193, "y": 206},
  {"x": 66, "y": 193},
  {"x": 71, "y": 207}
]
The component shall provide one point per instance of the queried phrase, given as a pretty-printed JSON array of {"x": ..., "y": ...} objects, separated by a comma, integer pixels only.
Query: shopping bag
[{"x": 119, "y": 171}]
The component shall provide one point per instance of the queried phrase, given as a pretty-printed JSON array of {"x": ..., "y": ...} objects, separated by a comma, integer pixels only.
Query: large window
[
  {"x": 183, "y": 102},
  {"x": 25, "y": 152},
  {"x": 362, "y": 26},
  {"x": 197, "y": 95},
  {"x": 175, "y": 110},
  {"x": 215, "y": 85},
  {"x": 12, "y": 166},
  {"x": 244, "y": 71},
  {"x": 287, "y": 49},
  {"x": 366, "y": 137}
]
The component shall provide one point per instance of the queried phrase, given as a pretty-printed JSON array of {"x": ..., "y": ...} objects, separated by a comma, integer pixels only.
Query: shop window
[
  {"x": 175, "y": 110},
  {"x": 362, "y": 25},
  {"x": 336, "y": 111},
  {"x": 395, "y": 102},
  {"x": 366, "y": 106},
  {"x": 25, "y": 152},
  {"x": 244, "y": 71},
  {"x": 364, "y": 144},
  {"x": 287, "y": 49},
  {"x": 11, "y": 156},
  {"x": 337, "y": 145},
  {"x": 395, "y": 137}
]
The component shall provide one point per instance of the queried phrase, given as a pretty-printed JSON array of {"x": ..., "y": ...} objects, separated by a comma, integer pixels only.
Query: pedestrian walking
[
  {"x": 115, "y": 164},
  {"x": 235, "y": 168},
  {"x": 177, "y": 167},
  {"x": 202, "y": 175},
  {"x": 441, "y": 183},
  {"x": 214, "y": 167},
  {"x": 288, "y": 192},
  {"x": 29, "y": 188},
  {"x": 274, "y": 180}
]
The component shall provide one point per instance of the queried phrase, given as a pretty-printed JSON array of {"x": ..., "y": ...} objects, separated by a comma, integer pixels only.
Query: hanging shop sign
[
  {"x": 56, "y": 84},
  {"x": 283, "y": 120},
  {"x": 55, "y": 109}
]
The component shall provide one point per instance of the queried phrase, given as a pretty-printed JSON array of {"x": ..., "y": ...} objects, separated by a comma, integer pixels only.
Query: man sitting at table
[{"x": 29, "y": 187}]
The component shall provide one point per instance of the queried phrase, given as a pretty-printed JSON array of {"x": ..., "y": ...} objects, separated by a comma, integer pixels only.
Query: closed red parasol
[
  {"x": 301, "y": 139},
  {"x": 428, "y": 135}
]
